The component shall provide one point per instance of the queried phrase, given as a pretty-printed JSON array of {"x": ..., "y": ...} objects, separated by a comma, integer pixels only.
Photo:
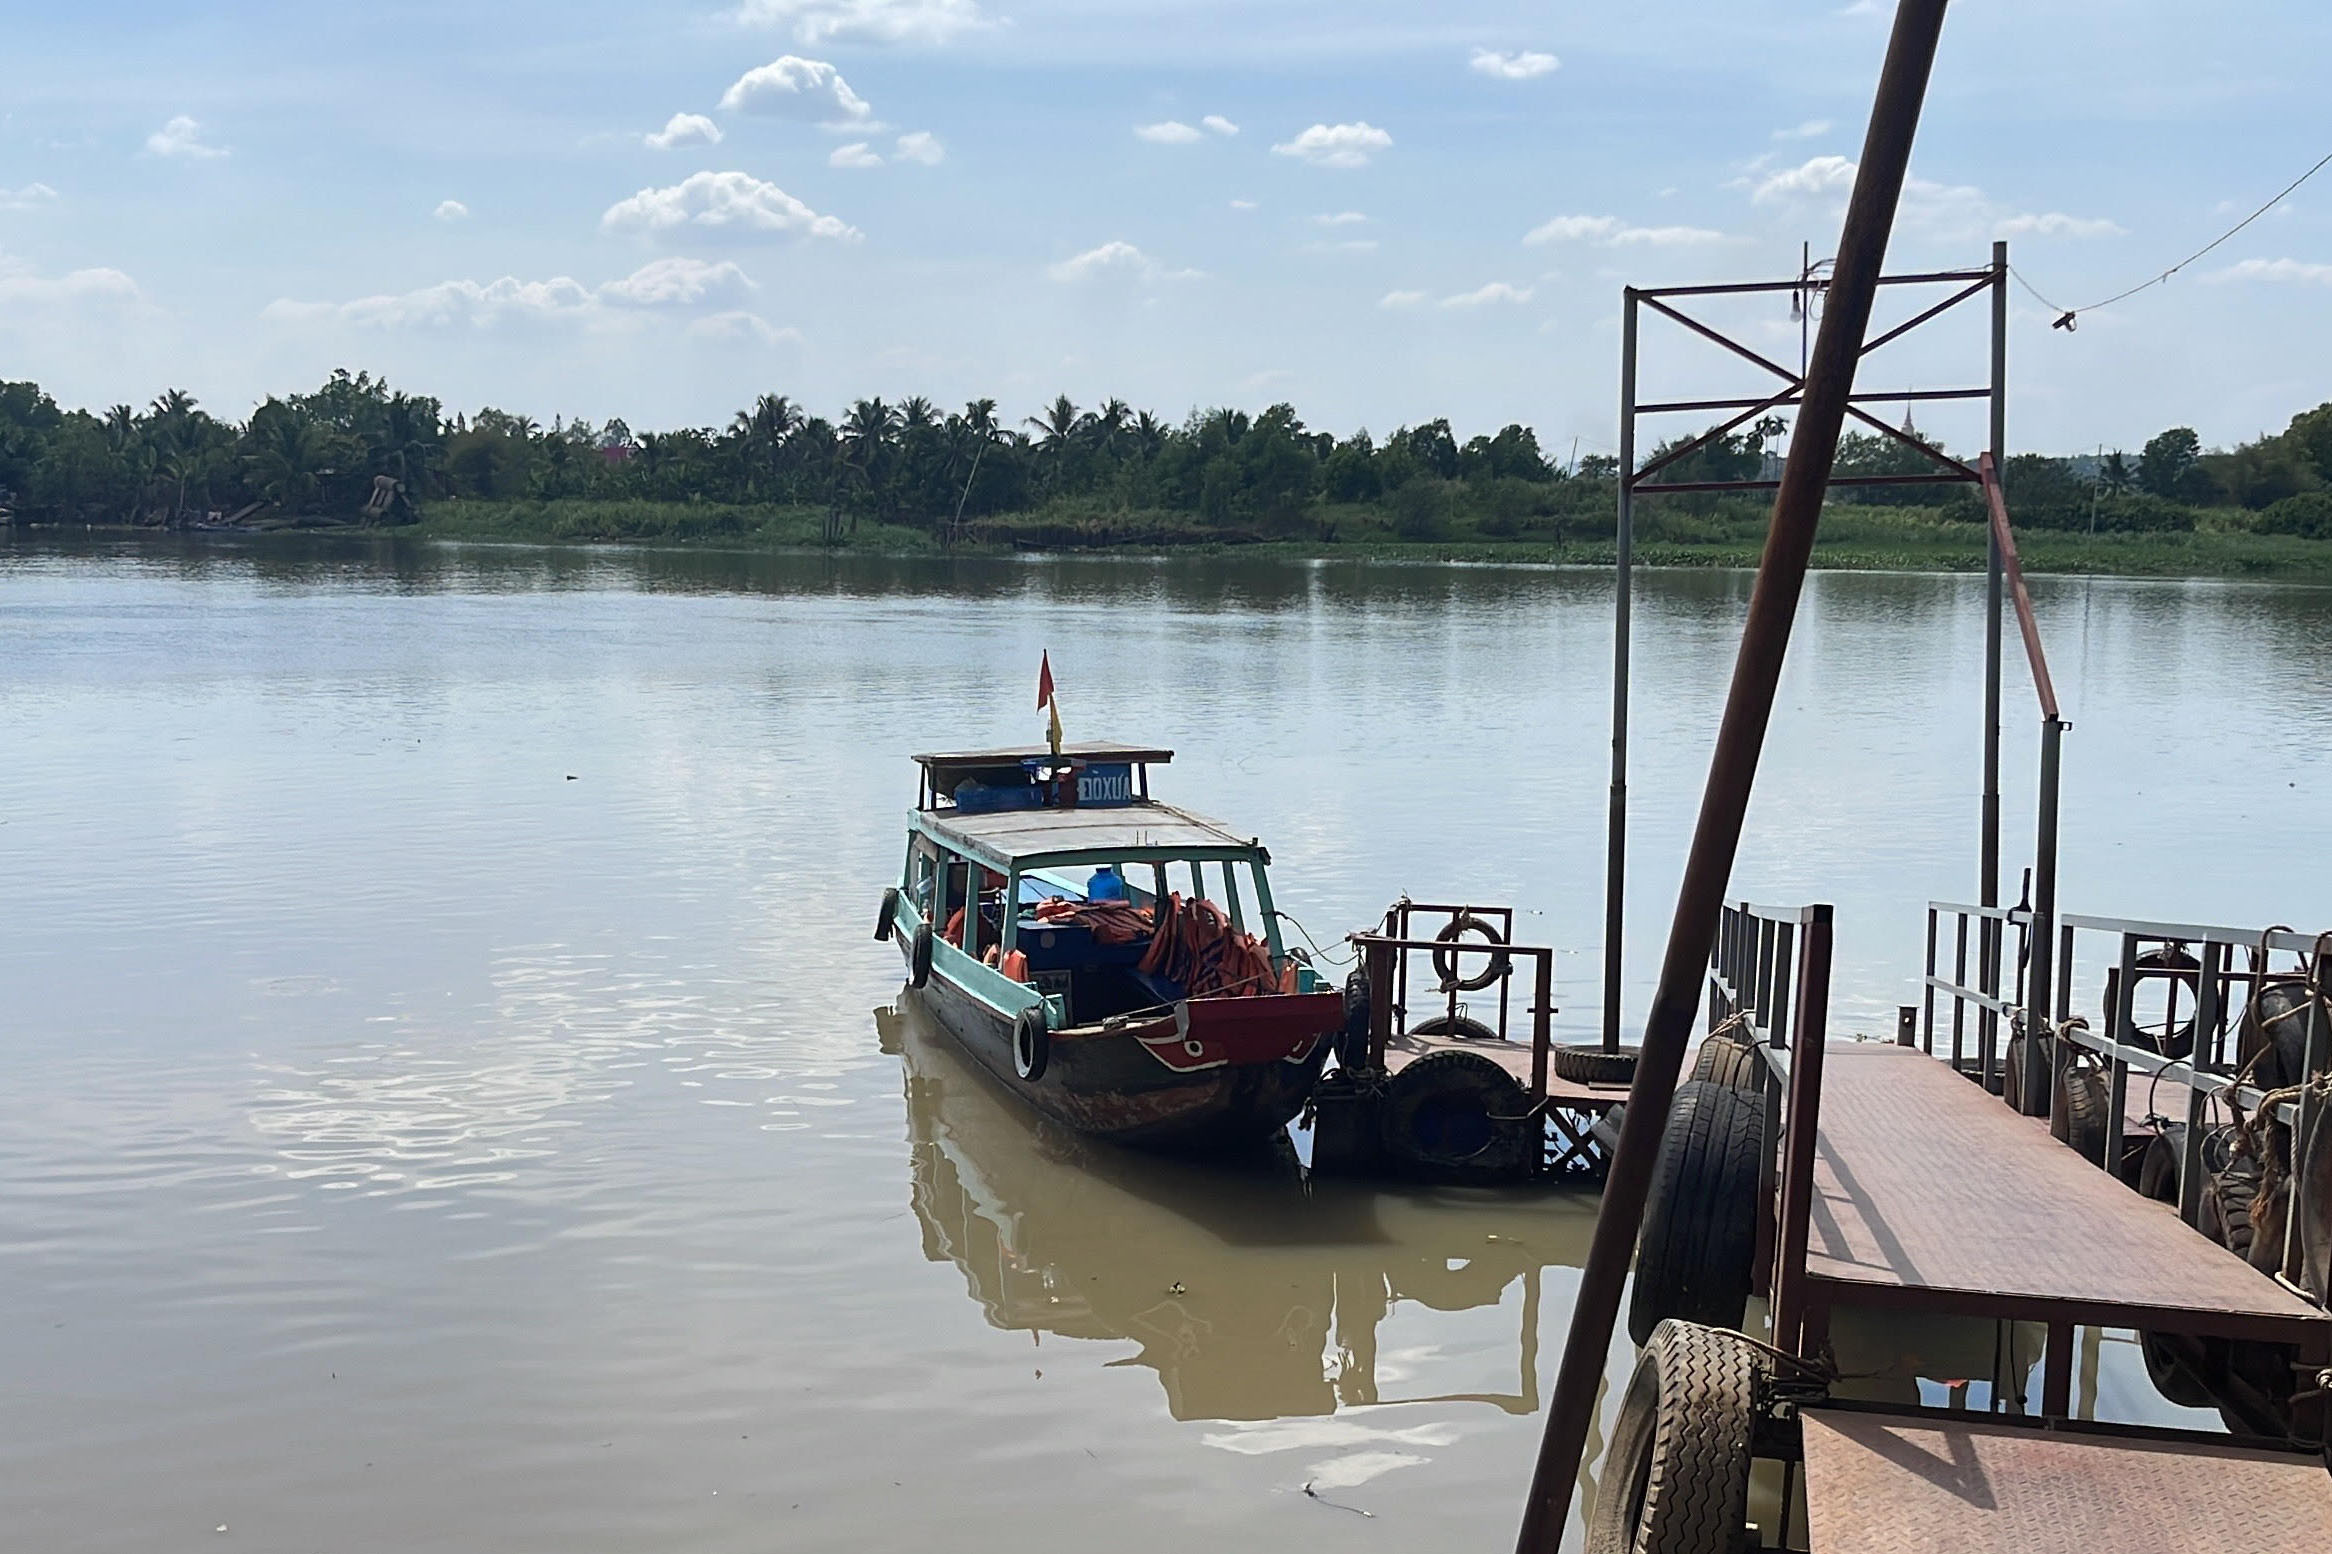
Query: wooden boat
[{"x": 1090, "y": 947}]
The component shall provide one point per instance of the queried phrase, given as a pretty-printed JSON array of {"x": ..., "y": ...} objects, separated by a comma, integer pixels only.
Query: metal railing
[
  {"x": 1991, "y": 1000},
  {"x": 1770, "y": 971},
  {"x": 2199, "y": 960}
]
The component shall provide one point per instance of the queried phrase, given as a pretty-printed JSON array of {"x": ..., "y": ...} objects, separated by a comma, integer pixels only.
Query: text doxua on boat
[{"x": 1089, "y": 946}]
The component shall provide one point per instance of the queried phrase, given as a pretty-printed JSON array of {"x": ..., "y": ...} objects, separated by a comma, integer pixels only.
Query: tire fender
[
  {"x": 919, "y": 956},
  {"x": 887, "y": 913},
  {"x": 1032, "y": 1045}
]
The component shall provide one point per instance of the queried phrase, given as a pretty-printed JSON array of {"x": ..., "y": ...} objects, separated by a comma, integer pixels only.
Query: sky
[{"x": 1379, "y": 212}]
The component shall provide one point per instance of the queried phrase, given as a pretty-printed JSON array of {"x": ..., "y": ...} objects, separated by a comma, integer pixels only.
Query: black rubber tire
[
  {"x": 2313, "y": 1182},
  {"x": 1695, "y": 1258},
  {"x": 2277, "y": 1018},
  {"x": 1586, "y": 1063},
  {"x": 1445, "y": 961},
  {"x": 919, "y": 956},
  {"x": 1732, "y": 1064},
  {"x": 2227, "y": 1197},
  {"x": 2012, "y": 1068},
  {"x": 886, "y": 913},
  {"x": 1352, "y": 1035},
  {"x": 1443, "y": 1025},
  {"x": 1458, "y": 1117},
  {"x": 2180, "y": 1365},
  {"x": 2254, "y": 1383},
  {"x": 1032, "y": 1045},
  {"x": 1676, "y": 1478},
  {"x": 2078, "y": 1118}
]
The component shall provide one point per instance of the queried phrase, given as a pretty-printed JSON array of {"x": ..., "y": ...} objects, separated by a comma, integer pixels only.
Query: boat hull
[{"x": 1113, "y": 1085}]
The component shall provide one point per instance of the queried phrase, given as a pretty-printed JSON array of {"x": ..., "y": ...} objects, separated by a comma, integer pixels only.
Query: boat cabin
[{"x": 1050, "y": 845}]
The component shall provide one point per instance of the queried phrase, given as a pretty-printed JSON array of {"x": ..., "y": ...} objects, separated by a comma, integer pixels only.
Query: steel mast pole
[
  {"x": 1781, "y": 575},
  {"x": 1615, "y": 849},
  {"x": 1988, "y": 874}
]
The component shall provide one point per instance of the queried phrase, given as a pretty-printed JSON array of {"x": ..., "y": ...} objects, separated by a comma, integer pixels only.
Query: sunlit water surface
[{"x": 453, "y": 1100}]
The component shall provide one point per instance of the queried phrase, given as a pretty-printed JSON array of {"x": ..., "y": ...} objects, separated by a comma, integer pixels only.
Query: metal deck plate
[
  {"x": 1880, "y": 1484},
  {"x": 1924, "y": 1183}
]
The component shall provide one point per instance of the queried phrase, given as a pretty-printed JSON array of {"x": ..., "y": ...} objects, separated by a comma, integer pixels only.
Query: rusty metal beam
[
  {"x": 1875, "y": 397},
  {"x": 1945, "y": 306},
  {"x": 1729, "y": 288},
  {"x": 1781, "y": 576},
  {"x": 1941, "y": 477}
]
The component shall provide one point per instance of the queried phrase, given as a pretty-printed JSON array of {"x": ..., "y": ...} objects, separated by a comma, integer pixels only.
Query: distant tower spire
[{"x": 1908, "y": 429}]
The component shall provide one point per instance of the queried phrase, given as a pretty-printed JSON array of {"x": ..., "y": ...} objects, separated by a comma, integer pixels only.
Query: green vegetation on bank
[{"x": 907, "y": 477}]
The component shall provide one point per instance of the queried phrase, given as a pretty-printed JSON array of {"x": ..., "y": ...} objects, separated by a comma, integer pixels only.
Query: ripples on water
[{"x": 443, "y": 1109}]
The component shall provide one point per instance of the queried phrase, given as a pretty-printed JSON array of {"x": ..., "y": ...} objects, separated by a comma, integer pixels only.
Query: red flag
[{"x": 1044, "y": 681}]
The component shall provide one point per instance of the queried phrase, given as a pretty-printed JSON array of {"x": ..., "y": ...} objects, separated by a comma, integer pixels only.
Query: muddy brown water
[{"x": 453, "y": 1100}]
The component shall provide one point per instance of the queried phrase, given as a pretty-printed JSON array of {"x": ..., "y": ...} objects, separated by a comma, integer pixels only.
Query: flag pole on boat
[{"x": 1046, "y": 699}]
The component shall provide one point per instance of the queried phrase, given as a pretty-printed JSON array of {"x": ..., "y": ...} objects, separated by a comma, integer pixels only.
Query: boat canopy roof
[
  {"x": 1011, "y": 839},
  {"x": 1089, "y": 750}
]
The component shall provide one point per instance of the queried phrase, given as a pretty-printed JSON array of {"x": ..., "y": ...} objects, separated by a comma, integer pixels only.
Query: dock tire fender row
[
  {"x": 919, "y": 956},
  {"x": 887, "y": 913},
  {"x": 1586, "y": 1063},
  {"x": 1445, "y": 961},
  {"x": 1696, "y": 1257},
  {"x": 2012, "y": 1067},
  {"x": 1032, "y": 1045},
  {"x": 1676, "y": 1479},
  {"x": 1730, "y": 1064}
]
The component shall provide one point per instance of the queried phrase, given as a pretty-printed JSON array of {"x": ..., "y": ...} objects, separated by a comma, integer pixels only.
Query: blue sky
[{"x": 1382, "y": 212}]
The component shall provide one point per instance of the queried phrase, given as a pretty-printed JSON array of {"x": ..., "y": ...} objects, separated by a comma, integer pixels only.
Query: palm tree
[
  {"x": 867, "y": 445},
  {"x": 287, "y": 454},
  {"x": 2114, "y": 474},
  {"x": 765, "y": 429}
]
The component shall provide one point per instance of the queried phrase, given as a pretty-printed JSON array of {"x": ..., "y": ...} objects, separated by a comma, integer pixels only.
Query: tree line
[{"x": 357, "y": 450}]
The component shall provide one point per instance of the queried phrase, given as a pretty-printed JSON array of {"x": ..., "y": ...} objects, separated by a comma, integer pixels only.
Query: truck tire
[
  {"x": 1694, "y": 1260},
  {"x": 1676, "y": 1479}
]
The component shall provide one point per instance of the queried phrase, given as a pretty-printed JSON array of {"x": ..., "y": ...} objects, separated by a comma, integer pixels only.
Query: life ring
[
  {"x": 1032, "y": 1044},
  {"x": 887, "y": 913},
  {"x": 919, "y": 956},
  {"x": 1445, "y": 960}
]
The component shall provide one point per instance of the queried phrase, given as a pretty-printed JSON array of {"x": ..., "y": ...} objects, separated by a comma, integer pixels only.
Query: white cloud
[
  {"x": 738, "y": 204},
  {"x": 684, "y": 129},
  {"x": 182, "y": 137},
  {"x": 466, "y": 304},
  {"x": 1813, "y": 178},
  {"x": 1342, "y": 218},
  {"x": 2283, "y": 271},
  {"x": 1954, "y": 212},
  {"x": 1400, "y": 299},
  {"x": 796, "y": 88},
  {"x": 20, "y": 283},
  {"x": 451, "y": 210},
  {"x": 857, "y": 154},
  {"x": 1614, "y": 233},
  {"x": 920, "y": 146},
  {"x": 1520, "y": 66},
  {"x": 29, "y": 197},
  {"x": 1219, "y": 125},
  {"x": 865, "y": 21},
  {"x": 1170, "y": 132},
  {"x": 743, "y": 327},
  {"x": 1336, "y": 145},
  {"x": 2055, "y": 223},
  {"x": 676, "y": 282},
  {"x": 1482, "y": 296},
  {"x": 1805, "y": 131},
  {"x": 1243, "y": 205},
  {"x": 1115, "y": 258}
]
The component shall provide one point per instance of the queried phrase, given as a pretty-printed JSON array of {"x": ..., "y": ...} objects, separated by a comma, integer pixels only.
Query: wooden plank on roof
[
  {"x": 1026, "y": 833},
  {"x": 1088, "y": 750}
]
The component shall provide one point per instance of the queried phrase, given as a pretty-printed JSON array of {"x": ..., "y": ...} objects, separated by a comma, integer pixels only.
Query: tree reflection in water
[{"x": 1253, "y": 1293}]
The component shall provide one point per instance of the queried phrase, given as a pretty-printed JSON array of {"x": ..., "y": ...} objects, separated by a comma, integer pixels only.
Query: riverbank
[{"x": 1853, "y": 538}]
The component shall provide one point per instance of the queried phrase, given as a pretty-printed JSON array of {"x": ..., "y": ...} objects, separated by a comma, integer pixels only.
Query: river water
[{"x": 453, "y": 1100}]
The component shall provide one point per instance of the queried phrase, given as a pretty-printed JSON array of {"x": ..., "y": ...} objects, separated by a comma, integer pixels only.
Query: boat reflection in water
[{"x": 1253, "y": 1294}]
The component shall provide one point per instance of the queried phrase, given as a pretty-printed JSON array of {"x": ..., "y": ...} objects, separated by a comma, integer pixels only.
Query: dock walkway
[{"x": 1930, "y": 1194}]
